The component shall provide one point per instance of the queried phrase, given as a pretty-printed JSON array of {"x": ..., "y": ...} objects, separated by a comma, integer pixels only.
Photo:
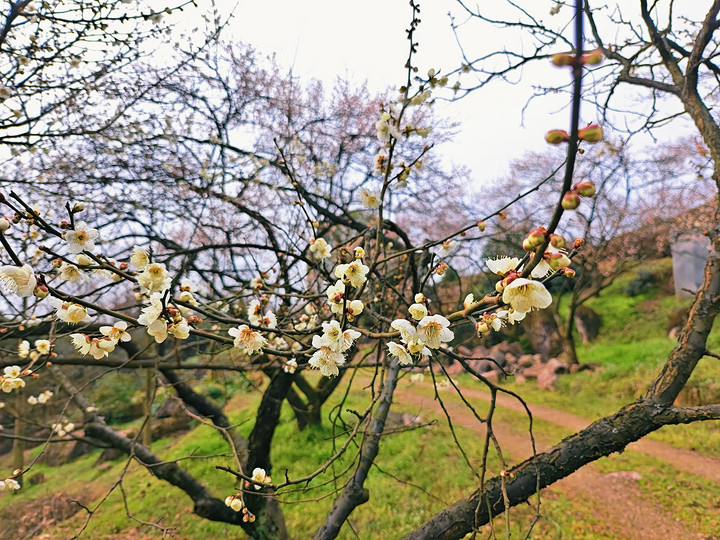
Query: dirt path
[
  {"x": 614, "y": 499},
  {"x": 683, "y": 460}
]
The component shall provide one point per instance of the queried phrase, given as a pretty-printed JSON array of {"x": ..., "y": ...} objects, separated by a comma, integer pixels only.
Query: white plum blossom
[
  {"x": 158, "y": 329},
  {"x": 354, "y": 308},
  {"x": 409, "y": 336},
  {"x": 502, "y": 265},
  {"x": 525, "y": 294},
  {"x": 247, "y": 339},
  {"x": 320, "y": 248},
  {"x": 369, "y": 199},
  {"x": 23, "y": 348},
  {"x": 255, "y": 316},
  {"x": 82, "y": 238},
  {"x": 181, "y": 329},
  {"x": 42, "y": 346},
  {"x": 116, "y": 332},
  {"x": 386, "y": 127},
  {"x": 399, "y": 352},
  {"x": 81, "y": 342},
  {"x": 71, "y": 273},
  {"x": 418, "y": 311},
  {"x": 19, "y": 280},
  {"x": 154, "y": 278},
  {"x": 68, "y": 311},
  {"x": 327, "y": 361},
  {"x": 152, "y": 311},
  {"x": 434, "y": 331},
  {"x": 101, "y": 347},
  {"x": 260, "y": 477},
  {"x": 406, "y": 329},
  {"x": 234, "y": 502},
  {"x": 353, "y": 272},
  {"x": 335, "y": 337},
  {"x": 140, "y": 258},
  {"x": 448, "y": 248}
]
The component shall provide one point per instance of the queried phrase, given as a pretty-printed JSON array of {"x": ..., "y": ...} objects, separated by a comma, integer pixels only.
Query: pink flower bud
[
  {"x": 534, "y": 239},
  {"x": 571, "y": 200},
  {"x": 592, "y": 133},
  {"x": 557, "y": 136},
  {"x": 586, "y": 188},
  {"x": 557, "y": 241},
  {"x": 569, "y": 272},
  {"x": 578, "y": 243},
  {"x": 482, "y": 327},
  {"x": 557, "y": 260},
  {"x": 41, "y": 291}
]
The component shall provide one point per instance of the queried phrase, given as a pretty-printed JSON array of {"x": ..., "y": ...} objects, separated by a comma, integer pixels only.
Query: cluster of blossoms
[
  {"x": 331, "y": 347},
  {"x": 41, "y": 398},
  {"x": 351, "y": 274},
  {"x": 290, "y": 366},
  {"x": 387, "y": 126},
  {"x": 63, "y": 428},
  {"x": 255, "y": 316},
  {"x": 42, "y": 347},
  {"x": 9, "y": 484},
  {"x": 236, "y": 503},
  {"x": 100, "y": 347},
  {"x": 309, "y": 319},
  {"x": 259, "y": 479},
  {"x": 320, "y": 249},
  {"x": 10, "y": 379},
  {"x": 430, "y": 332}
]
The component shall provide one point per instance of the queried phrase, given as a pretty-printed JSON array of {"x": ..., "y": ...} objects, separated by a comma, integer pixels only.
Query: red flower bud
[
  {"x": 569, "y": 272},
  {"x": 578, "y": 243},
  {"x": 557, "y": 136},
  {"x": 571, "y": 200}
]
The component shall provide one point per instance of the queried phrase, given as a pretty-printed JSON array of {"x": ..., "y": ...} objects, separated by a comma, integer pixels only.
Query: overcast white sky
[{"x": 365, "y": 41}]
